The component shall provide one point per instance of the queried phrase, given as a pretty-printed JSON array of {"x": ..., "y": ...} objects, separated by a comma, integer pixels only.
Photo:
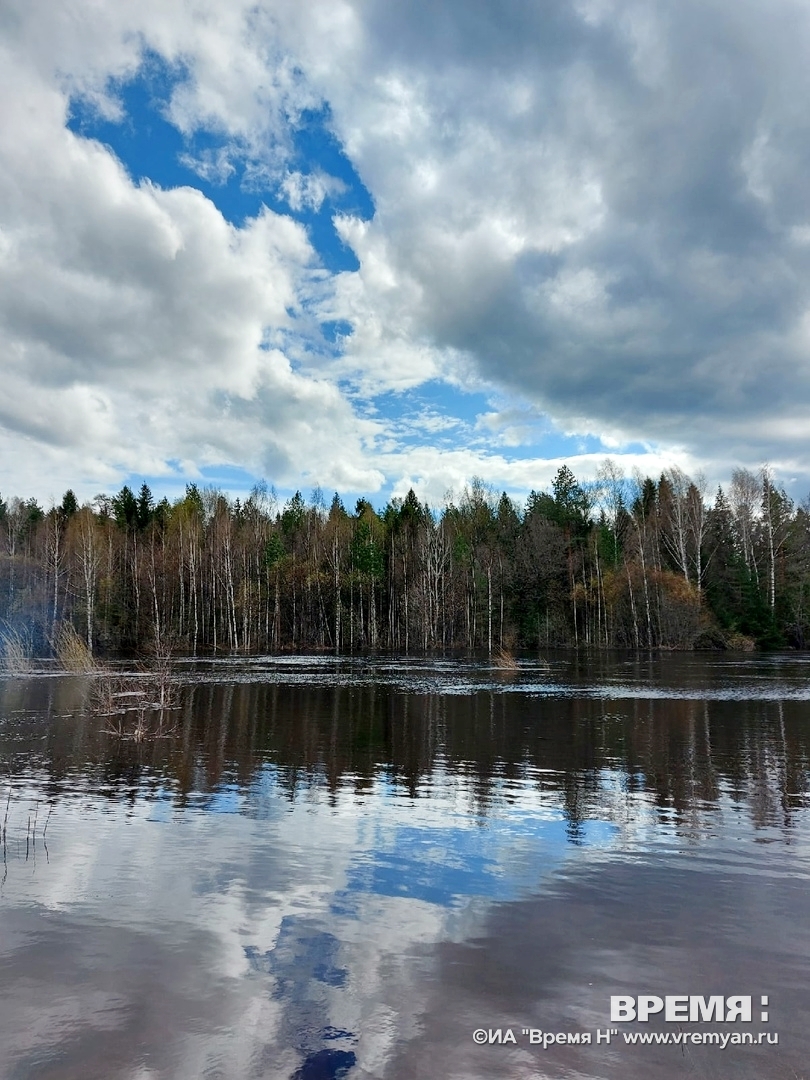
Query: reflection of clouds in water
[
  {"x": 670, "y": 927},
  {"x": 318, "y": 920},
  {"x": 81, "y": 995},
  {"x": 406, "y": 886},
  {"x": 305, "y": 963},
  {"x": 238, "y": 977},
  {"x": 319, "y": 908}
]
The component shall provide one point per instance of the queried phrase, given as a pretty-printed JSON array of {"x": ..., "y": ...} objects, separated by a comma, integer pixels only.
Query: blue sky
[
  {"x": 374, "y": 248},
  {"x": 154, "y": 150},
  {"x": 151, "y": 148}
]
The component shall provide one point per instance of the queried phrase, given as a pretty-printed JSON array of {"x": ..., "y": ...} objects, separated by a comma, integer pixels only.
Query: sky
[{"x": 372, "y": 246}]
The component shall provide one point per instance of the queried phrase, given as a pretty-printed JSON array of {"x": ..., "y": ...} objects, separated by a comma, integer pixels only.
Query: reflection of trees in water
[{"x": 683, "y": 754}]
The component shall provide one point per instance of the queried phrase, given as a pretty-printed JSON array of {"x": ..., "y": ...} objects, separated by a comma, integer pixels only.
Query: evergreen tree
[
  {"x": 125, "y": 508},
  {"x": 69, "y": 505},
  {"x": 145, "y": 507}
]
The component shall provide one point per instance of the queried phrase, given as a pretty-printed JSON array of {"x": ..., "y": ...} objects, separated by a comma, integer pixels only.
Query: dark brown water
[{"x": 336, "y": 869}]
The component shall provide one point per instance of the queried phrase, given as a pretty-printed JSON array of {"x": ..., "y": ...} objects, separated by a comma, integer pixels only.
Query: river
[{"x": 356, "y": 868}]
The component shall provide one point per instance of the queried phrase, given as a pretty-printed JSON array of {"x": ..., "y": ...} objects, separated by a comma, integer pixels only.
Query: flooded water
[{"x": 354, "y": 868}]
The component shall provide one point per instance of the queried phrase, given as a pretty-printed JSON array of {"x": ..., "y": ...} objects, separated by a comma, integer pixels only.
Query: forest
[{"x": 637, "y": 563}]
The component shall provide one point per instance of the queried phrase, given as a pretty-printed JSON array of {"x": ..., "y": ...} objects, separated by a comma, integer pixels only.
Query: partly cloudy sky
[{"x": 374, "y": 245}]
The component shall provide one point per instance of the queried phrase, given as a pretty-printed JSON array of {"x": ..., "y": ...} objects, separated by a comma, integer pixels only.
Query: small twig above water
[{"x": 149, "y": 697}]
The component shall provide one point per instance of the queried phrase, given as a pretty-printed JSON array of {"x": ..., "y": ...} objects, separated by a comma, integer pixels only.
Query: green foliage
[
  {"x": 294, "y": 515},
  {"x": 194, "y": 501},
  {"x": 461, "y": 548},
  {"x": 367, "y": 555},
  {"x": 405, "y": 514},
  {"x": 734, "y": 594},
  {"x": 571, "y": 502},
  {"x": 162, "y": 513},
  {"x": 606, "y": 545},
  {"x": 145, "y": 507},
  {"x": 33, "y": 512},
  {"x": 70, "y": 504},
  {"x": 337, "y": 510},
  {"x": 411, "y": 511},
  {"x": 274, "y": 551},
  {"x": 507, "y": 515},
  {"x": 541, "y": 504},
  {"x": 134, "y": 513},
  {"x": 125, "y": 508},
  {"x": 646, "y": 501}
]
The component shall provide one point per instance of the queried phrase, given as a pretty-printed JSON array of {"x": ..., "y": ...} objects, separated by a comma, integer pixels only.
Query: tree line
[{"x": 637, "y": 563}]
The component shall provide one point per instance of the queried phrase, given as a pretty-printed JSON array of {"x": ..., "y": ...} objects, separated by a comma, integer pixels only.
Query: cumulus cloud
[
  {"x": 595, "y": 209},
  {"x": 310, "y": 189},
  {"x": 140, "y": 327},
  {"x": 603, "y": 207}
]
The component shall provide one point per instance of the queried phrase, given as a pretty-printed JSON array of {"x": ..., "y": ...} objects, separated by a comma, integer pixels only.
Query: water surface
[{"x": 344, "y": 868}]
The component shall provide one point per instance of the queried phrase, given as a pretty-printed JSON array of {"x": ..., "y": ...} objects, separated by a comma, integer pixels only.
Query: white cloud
[
  {"x": 214, "y": 166},
  {"x": 603, "y": 166},
  {"x": 139, "y": 326},
  {"x": 599, "y": 209},
  {"x": 432, "y": 472},
  {"x": 309, "y": 190}
]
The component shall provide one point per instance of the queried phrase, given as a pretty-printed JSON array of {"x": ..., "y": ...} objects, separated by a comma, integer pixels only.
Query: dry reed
[
  {"x": 16, "y": 650},
  {"x": 504, "y": 660},
  {"x": 72, "y": 651}
]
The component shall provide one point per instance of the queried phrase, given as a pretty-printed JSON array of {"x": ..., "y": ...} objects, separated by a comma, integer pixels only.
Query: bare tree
[
  {"x": 697, "y": 519},
  {"x": 89, "y": 557},
  {"x": 674, "y": 505},
  {"x": 745, "y": 499}
]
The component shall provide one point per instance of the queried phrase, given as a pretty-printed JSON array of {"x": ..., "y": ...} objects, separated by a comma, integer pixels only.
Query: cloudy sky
[{"x": 374, "y": 245}]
